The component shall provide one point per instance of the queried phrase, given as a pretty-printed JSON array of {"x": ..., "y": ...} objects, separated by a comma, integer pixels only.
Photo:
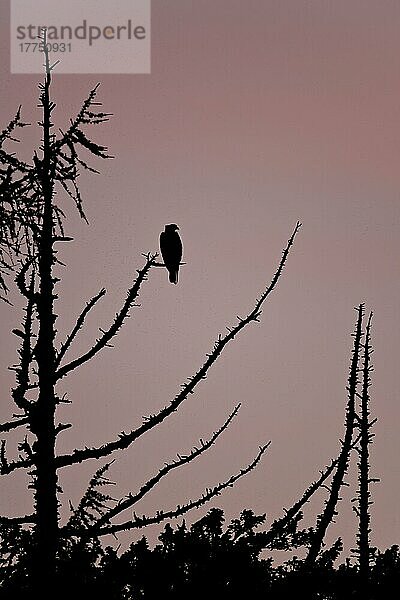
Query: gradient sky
[{"x": 257, "y": 113}]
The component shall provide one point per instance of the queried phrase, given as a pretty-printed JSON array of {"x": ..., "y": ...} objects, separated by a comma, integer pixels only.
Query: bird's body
[{"x": 171, "y": 250}]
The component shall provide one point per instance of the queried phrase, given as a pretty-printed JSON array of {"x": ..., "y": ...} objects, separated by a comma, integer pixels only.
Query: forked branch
[
  {"x": 78, "y": 325},
  {"x": 120, "y": 317}
]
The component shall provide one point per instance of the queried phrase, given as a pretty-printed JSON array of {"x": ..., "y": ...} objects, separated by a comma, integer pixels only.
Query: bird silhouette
[{"x": 171, "y": 250}]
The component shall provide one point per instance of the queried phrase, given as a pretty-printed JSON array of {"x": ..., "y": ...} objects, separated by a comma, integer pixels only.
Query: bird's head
[{"x": 171, "y": 227}]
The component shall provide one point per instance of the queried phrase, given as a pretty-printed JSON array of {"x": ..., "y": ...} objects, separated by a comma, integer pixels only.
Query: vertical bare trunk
[
  {"x": 43, "y": 425},
  {"x": 364, "y": 471}
]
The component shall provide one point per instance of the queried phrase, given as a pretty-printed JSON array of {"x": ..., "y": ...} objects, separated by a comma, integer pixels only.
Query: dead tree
[
  {"x": 363, "y": 500},
  {"x": 32, "y": 224},
  {"x": 330, "y": 510}
]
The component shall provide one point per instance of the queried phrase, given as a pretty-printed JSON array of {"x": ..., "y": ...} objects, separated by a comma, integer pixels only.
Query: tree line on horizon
[{"x": 39, "y": 552}]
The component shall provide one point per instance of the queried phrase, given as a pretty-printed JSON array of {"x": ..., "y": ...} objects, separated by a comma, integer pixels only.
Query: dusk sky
[{"x": 256, "y": 114}]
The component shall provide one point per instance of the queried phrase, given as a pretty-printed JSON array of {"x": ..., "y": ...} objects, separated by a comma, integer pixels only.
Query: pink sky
[{"x": 256, "y": 114}]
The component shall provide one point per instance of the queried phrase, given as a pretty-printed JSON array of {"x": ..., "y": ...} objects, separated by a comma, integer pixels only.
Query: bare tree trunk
[
  {"x": 43, "y": 417},
  {"x": 364, "y": 494}
]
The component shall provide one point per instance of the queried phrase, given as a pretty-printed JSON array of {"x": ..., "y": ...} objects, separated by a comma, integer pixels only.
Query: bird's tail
[{"x": 173, "y": 276}]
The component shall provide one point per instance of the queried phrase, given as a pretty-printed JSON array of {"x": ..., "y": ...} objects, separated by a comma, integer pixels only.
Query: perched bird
[{"x": 171, "y": 250}]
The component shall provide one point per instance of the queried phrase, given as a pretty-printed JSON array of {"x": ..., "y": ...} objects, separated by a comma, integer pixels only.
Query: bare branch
[
  {"x": 6, "y": 134},
  {"x": 160, "y": 516},
  {"x": 126, "y": 439},
  {"x": 8, "y": 467},
  {"x": 84, "y": 117},
  {"x": 26, "y": 291},
  {"x": 62, "y": 427},
  {"x": 25, "y": 351},
  {"x": 17, "y": 520},
  {"x": 3, "y": 457},
  {"x": 279, "y": 525},
  {"x": 79, "y": 323},
  {"x": 132, "y": 499},
  {"x": 116, "y": 325},
  {"x": 13, "y": 124},
  {"x": 159, "y": 264},
  {"x": 4, "y": 427}
]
